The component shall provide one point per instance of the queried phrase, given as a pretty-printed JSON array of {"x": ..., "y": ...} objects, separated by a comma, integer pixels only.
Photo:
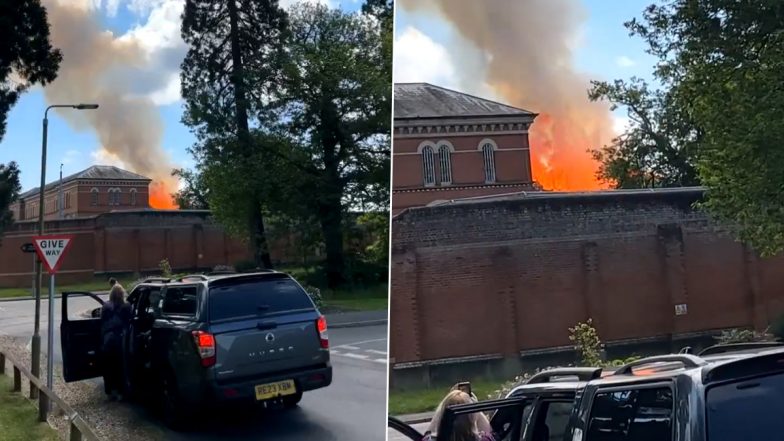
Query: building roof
[
  {"x": 423, "y": 100},
  {"x": 96, "y": 172}
]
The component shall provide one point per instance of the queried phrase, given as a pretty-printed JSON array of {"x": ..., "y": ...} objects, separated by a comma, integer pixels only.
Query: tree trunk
[
  {"x": 331, "y": 217},
  {"x": 258, "y": 242}
]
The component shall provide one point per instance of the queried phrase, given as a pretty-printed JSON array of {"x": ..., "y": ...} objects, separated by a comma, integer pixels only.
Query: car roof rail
[
  {"x": 156, "y": 279},
  {"x": 687, "y": 360},
  {"x": 733, "y": 347},
  {"x": 582, "y": 374},
  {"x": 193, "y": 276},
  {"x": 685, "y": 350}
]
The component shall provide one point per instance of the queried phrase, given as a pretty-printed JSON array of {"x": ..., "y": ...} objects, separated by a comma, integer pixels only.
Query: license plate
[{"x": 272, "y": 390}]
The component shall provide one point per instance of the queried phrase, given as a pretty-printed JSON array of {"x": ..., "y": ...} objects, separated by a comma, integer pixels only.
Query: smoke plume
[
  {"x": 528, "y": 48},
  {"x": 99, "y": 67}
]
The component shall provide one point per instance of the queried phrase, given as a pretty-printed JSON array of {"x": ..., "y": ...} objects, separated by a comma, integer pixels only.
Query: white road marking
[
  {"x": 381, "y": 360},
  {"x": 373, "y": 351},
  {"x": 359, "y": 356},
  {"x": 350, "y": 348},
  {"x": 362, "y": 342}
]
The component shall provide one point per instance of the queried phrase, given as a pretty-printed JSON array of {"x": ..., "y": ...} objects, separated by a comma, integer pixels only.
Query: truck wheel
[{"x": 173, "y": 413}]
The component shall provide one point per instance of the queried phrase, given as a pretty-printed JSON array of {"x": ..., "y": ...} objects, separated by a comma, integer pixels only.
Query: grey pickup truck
[{"x": 201, "y": 341}]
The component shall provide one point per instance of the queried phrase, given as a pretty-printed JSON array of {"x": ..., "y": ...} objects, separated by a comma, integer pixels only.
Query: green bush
[
  {"x": 740, "y": 335},
  {"x": 587, "y": 343},
  {"x": 165, "y": 268},
  {"x": 315, "y": 295}
]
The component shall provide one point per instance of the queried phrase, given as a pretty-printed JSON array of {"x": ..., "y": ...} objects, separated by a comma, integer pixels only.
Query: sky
[
  {"x": 156, "y": 25},
  {"x": 539, "y": 55}
]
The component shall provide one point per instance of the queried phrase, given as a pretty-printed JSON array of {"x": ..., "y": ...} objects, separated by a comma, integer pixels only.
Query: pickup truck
[
  {"x": 202, "y": 341},
  {"x": 725, "y": 393}
]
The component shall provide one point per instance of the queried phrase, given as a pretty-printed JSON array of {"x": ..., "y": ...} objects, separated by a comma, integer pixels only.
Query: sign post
[
  {"x": 30, "y": 248},
  {"x": 51, "y": 249}
]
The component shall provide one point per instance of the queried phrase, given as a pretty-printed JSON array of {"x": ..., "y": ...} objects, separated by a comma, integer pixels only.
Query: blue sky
[
  {"x": 603, "y": 48},
  {"x": 155, "y": 25}
]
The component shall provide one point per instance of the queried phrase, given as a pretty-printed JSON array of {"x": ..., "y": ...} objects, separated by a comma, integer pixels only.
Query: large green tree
[
  {"x": 229, "y": 70},
  {"x": 26, "y": 58},
  {"x": 658, "y": 148},
  {"x": 722, "y": 61},
  {"x": 336, "y": 105}
]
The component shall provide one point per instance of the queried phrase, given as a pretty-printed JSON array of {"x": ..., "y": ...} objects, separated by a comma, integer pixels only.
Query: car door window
[
  {"x": 644, "y": 414},
  {"x": 180, "y": 301},
  {"x": 552, "y": 417}
]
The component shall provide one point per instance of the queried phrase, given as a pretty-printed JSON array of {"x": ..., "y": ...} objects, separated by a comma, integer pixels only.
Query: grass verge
[
  {"x": 426, "y": 400},
  {"x": 358, "y": 299},
  {"x": 19, "y": 418}
]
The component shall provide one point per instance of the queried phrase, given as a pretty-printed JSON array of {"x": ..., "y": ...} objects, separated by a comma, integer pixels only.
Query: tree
[
  {"x": 9, "y": 192},
  {"x": 195, "y": 194},
  {"x": 230, "y": 68},
  {"x": 26, "y": 55},
  {"x": 723, "y": 61},
  {"x": 336, "y": 103},
  {"x": 659, "y": 149}
]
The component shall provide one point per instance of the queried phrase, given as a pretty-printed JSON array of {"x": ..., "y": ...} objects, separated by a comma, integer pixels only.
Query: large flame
[{"x": 161, "y": 196}]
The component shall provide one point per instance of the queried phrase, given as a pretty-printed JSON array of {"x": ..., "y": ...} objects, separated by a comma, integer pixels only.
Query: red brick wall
[
  {"x": 123, "y": 243},
  {"x": 499, "y": 277}
]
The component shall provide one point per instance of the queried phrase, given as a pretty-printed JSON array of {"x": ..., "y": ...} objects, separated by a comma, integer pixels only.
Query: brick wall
[
  {"x": 503, "y": 276},
  {"x": 124, "y": 243}
]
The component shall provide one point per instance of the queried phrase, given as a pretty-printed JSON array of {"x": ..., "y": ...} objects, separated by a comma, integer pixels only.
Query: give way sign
[{"x": 51, "y": 249}]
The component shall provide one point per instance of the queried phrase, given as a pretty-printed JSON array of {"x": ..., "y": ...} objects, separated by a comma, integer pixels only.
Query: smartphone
[{"x": 465, "y": 386}]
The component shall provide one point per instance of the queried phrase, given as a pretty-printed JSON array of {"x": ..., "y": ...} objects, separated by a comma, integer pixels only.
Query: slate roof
[
  {"x": 96, "y": 172},
  {"x": 423, "y": 100}
]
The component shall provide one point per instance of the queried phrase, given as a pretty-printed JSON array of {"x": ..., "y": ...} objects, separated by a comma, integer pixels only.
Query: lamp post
[{"x": 36, "y": 343}]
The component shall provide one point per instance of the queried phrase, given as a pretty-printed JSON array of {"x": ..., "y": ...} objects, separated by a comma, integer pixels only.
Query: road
[{"x": 352, "y": 408}]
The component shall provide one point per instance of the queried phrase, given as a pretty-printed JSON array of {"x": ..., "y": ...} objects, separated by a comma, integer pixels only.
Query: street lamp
[{"x": 36, "y": 343}]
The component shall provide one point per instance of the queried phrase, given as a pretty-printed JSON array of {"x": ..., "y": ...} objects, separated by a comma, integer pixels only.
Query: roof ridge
[{"x": 426, "y": 93}]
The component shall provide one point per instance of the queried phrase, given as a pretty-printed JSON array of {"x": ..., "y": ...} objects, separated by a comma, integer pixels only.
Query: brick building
[
  {"x": 489, "y": 287},
  {"x": 98, "y": 189},
  {"x": 450, "y": 145}
]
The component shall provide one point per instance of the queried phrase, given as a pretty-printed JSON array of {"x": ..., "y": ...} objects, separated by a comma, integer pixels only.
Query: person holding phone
[{"x": 471, "y": 427}]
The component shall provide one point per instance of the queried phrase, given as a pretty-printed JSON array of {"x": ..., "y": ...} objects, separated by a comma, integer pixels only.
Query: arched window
[
  {"x": 94, "y": 196},
  {"x": 114, "y": 196},
  {"x": 133, "y": 196},
  {"x": 445, "y": 163},
  {"x": 488, "y": 154},
  {"x": 428, "y": 166}
]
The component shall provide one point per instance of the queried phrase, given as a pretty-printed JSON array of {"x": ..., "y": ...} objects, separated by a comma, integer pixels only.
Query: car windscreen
[
  {"x": 256, "y": 298},
  {"x": 746, "y": 410}
]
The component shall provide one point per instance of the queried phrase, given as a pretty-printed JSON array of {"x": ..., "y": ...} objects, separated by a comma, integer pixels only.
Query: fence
[{"x": 78, "y": 429}]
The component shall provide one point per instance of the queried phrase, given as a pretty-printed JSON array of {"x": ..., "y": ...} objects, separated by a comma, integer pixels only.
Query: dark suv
[
  {"x": 211, "y": 339},
  {"x": 725, "y": 393}
]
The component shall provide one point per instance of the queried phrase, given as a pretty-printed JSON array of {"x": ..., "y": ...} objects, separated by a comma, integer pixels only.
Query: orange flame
[
  {"x": 559, "y": 153},
  {"x": 161, "y": 196}
]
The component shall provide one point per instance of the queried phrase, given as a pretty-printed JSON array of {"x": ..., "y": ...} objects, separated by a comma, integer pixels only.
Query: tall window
[
  {"x": 114, "y": 196},
  {"x": 94, "y": 196},
  {"x": 445, "y": 162},
  {"x": 428, "y": 166},
  {"x": 133, "y": 196},
  {"x": 488, "y": 153}
]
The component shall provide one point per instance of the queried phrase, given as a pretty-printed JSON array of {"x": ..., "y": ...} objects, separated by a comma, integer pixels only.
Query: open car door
[
  {"x": 512, "y": 408},
  {"x": 403, "y": 430},
  {"x": 80, "y": 338}
]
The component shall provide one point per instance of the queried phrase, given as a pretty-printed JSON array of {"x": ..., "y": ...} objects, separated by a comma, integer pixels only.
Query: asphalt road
[{"x": 352, "y": 408}]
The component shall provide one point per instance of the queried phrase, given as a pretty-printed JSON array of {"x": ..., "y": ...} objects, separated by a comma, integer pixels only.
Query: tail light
[
  {"x": 205, "y": 344},
  {"x": 321, "y": 325}
]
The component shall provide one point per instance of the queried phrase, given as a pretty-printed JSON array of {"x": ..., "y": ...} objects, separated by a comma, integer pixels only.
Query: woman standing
[
  {"x": 115, "y": 318},
  {"x": 470, "y": 427}
]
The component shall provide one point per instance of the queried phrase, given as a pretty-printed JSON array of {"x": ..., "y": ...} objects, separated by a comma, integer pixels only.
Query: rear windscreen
[
  {"x": 256, "y": 298},
  {"x": 746, "y": 410}
]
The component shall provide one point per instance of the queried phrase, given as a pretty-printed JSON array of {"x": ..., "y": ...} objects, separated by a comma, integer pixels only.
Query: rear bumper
[{"x": 305, "y": 380}]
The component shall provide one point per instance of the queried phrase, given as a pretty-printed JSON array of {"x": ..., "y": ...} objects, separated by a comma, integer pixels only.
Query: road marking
[
  {"x": 363, "y": 342},
  {"x": 373, "y": 351},
  {"x": 359, "y": 356},
  {"x": 381, "y": 360},
  {"x": 350, "y": 348}
]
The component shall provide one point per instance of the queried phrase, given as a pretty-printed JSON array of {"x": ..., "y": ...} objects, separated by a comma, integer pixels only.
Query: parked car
[
  {"x": 727, "y": 392},
  {"x": 208, "y": 340}
]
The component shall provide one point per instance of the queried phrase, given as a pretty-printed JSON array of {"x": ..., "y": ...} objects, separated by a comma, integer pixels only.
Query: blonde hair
[
  {"x": 465, "y": 427},
  {"x": 117, "y": 294}
]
